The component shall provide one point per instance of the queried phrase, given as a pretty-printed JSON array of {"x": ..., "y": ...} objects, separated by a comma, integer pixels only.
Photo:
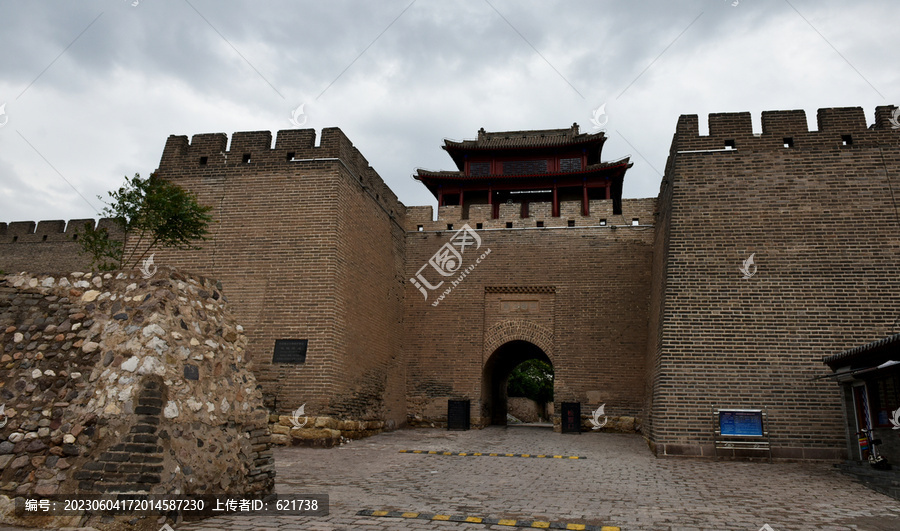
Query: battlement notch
[
  {"x": 838, "y": 128},
  {"x": 52, "y": 230}
]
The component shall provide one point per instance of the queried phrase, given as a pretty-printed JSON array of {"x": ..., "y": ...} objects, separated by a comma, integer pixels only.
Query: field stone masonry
[{"x": 113, "y": 383}]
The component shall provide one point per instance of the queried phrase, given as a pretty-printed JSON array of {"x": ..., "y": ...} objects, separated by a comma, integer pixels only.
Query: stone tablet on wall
[{"x": 289, "y": 351}]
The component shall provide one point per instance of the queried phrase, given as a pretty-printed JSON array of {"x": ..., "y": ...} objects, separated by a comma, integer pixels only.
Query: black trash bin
[
  {"x": 458, "y": 414},
  {"x": 571, "y": 417}
]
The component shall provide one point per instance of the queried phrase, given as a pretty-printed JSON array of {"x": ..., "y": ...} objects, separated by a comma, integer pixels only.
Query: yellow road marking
[
  {"x": 477, "y": 453},
  {"x": 463, "y": 453},
  {"x": 573, "y": 457},
  {"x": 510, "y": 455},
  {"x": 557, "y": 457},
  {"x": 448, "y": 453},
  {"x": 526, "y": 455},
  {"x": 536, "y": 524}
]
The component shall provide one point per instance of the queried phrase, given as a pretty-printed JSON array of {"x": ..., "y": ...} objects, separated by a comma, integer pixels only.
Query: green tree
[
  {"x": 151, "y": 213},
  {"x": 532, "y": 379}
]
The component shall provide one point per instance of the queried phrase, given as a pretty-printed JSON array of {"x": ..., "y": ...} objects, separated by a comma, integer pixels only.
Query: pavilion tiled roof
[
  {"x": 526, "y": 139},
  {"x": 458, "y": 175}
]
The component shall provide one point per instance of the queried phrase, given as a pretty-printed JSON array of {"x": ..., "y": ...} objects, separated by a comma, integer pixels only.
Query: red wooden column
[
  {"x": 494, "y": 214},
  {"x": 440, "y": 197},
  {"x": 585, "y": 204},
  {"x": 608, "y": 195},
  {"x": 555, "y": 201},
  {"x": 461, "y": 211}
]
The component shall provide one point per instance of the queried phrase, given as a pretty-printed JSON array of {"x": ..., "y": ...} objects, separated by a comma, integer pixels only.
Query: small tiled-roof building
[
  {"x": 869, "y": 376},
  {"x": 523, "y": 167}
]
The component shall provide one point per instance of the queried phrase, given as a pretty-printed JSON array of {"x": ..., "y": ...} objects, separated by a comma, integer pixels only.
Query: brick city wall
[
  {"x": 817, "y": 209},
  {"x": 46, "y": 246},
  {"x": 580, "y": 294},
  {"x": 308, "y": 240}
]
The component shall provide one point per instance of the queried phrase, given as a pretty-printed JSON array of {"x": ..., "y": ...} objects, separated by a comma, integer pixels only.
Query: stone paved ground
[{"x": 619, "y": 484}]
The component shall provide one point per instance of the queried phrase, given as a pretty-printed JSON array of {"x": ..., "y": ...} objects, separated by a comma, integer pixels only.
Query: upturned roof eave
[
  {"x": 606, "y": 167},
  {"x": 874, "y": 347}
]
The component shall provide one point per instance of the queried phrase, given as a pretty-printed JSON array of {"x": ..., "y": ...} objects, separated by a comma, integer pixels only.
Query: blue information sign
[{"x": 741, "y": 422}]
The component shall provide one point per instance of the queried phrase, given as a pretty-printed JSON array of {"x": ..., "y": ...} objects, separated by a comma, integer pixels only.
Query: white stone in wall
[
  {"x": 194, "y": 404},
  {"x": 153, "y": 329},
  {"x": 130, "y": 364},
  {"x": 171, "y": 410},
  {"x": 152, "y": 365},
  {"x": 90, "y": 295},
  {"x": 125, "y": 393},
  {"x": 90, "y": 346},
  {"x": 158, "y": 345}
]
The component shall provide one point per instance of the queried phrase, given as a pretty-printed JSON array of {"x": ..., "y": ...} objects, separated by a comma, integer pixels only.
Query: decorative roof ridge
[
  {"x": 885, "y": 341},
  {"x": 525, "y": 138}
]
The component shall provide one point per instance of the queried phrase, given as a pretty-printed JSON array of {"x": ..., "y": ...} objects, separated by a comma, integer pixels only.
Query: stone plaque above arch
[{"x": 519, "y": 312}]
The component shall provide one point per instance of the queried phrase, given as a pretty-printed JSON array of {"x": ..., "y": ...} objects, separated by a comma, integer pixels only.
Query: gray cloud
[{"x": 106, "y": 104}]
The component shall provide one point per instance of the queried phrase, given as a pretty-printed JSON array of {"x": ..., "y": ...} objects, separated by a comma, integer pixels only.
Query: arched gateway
[
  {"x": 507, "y": 344},
  {"x": 496, "y": 376}
]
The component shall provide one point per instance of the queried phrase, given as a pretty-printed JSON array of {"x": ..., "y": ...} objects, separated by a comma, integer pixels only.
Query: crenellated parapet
[
  {"x": 209, "y": 155},
  {"x": 635, "y": 212},
  {"x": 52, "y": 230},
  {"x": 46, "y": 246},
  {"x": 841, "y": 127}
]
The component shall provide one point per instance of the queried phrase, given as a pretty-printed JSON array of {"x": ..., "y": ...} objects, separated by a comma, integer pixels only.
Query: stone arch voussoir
[{"x": 514, "y": 329}]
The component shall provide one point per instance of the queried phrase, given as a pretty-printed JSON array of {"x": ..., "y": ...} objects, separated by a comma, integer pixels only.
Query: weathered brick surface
[
  {"x": 47, "y": 246},
  {"x": 310, "y": 239},
  {"x": 588, "y": 288},
  {"x": 821, "y": 219}
]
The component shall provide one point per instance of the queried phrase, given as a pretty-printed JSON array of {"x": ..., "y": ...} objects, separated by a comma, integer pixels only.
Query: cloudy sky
[{"x": 92, "y": 89}]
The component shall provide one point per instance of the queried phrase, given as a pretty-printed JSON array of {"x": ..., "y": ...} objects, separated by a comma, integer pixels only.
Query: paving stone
[{"x": 619, "y": 483}]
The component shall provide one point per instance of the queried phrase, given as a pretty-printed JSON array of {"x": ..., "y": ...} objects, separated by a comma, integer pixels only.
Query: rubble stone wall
[{"x": 114, "y": 383}]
